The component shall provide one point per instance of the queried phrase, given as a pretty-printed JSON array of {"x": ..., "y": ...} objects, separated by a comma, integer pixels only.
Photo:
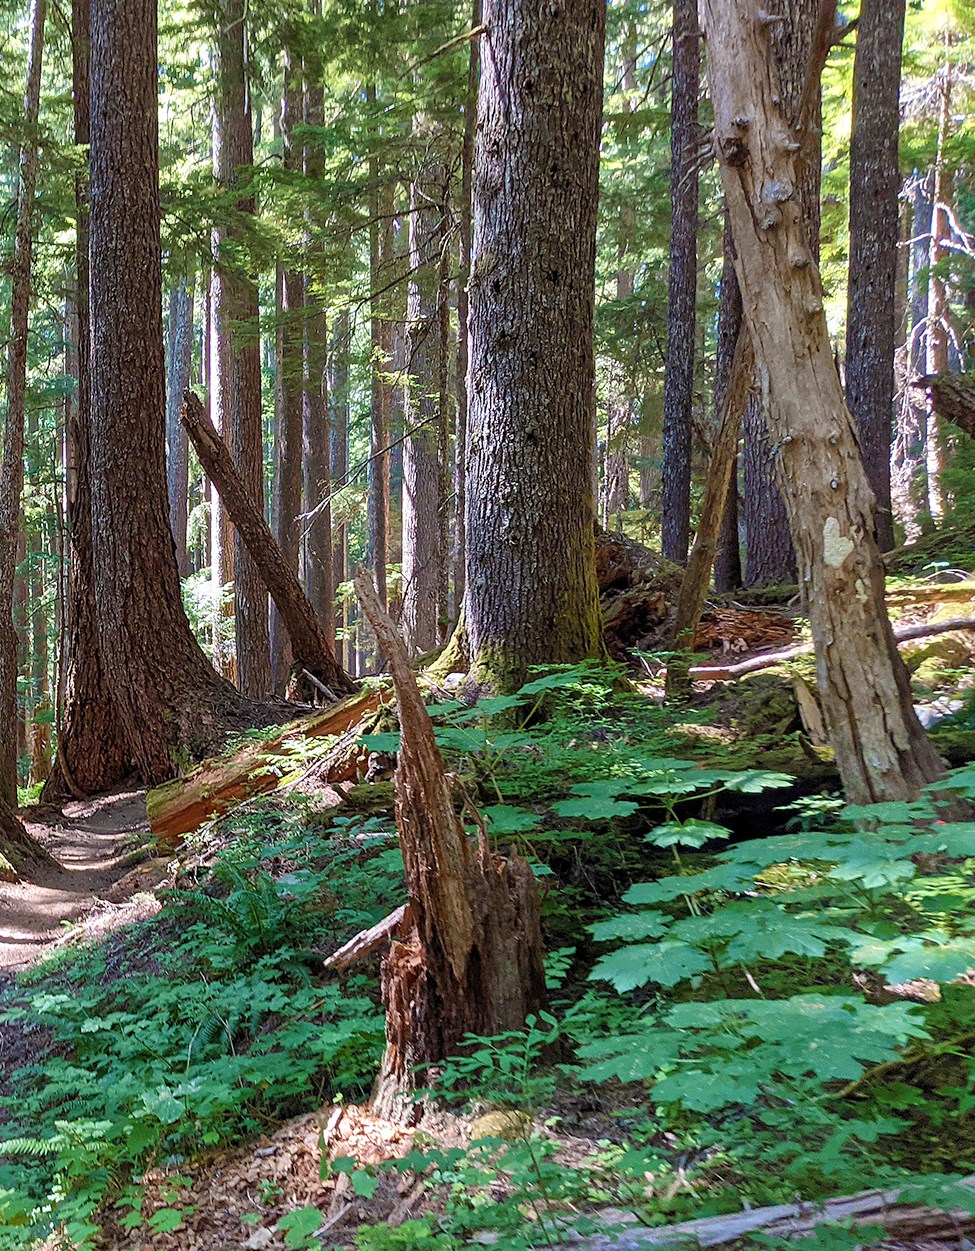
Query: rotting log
[
  {"x": 902, "y": 1223},
  {"x": 952, "y": 397},
  {"x": 726, "y": 673},
  {"x": 177, "y": 808},
  {"x": 467, "y": 956},
  {"x": 315, "y": 665},
  {"x": 19, "y": 853}
]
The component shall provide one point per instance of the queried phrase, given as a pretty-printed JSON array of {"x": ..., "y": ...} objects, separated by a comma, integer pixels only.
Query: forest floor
[{"x": 96, "y": 841}]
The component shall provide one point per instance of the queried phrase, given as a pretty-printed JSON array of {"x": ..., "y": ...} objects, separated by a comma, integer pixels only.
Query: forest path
[{"x": 94, "y": 841}]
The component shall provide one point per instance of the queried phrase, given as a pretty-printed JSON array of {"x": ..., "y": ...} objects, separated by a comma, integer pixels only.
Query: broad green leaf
[
  {"x": 940, "y": 961},
  {"x": 722, "y": 877},
  {"x": 487, "y": 708},
  {"x": 754, "y": 781},
  {"x": 165, "y": 1220},
  {"x": 594, "y": 808},
  {"x": 298, "y": 1226},
  {"x": 957, "y": 838},
  {"x": 441, "y": 710},
  {"x": 553, "y": 682},
  {"x": 386, "y": 743},
  {"x": 690, "y": 833},
  {"x": 631, "y": 926},
  {"x": 874, "y": 864},
  {"x": 665, "y": 964},
  {"x": 506, "y": 819}
]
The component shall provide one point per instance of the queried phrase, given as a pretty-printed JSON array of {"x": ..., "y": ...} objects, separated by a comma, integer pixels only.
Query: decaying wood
[
  {"x": 946, "y": 593},
  {"x": 724, "y": 673},
  {"x": 953, "y": 398},
  {"x": 365, "y": 942},
  {"x": 310, "y": 645},
  {"x": 902, "y": 1223},
  {"x": 176, "y": 808},
  {"x": 467, "y": 958}
]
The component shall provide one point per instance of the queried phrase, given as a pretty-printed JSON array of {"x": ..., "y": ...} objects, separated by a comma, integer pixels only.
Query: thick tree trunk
[
  {"x": 237, "y": 379},
  {"x": 310, "y": 647},
  {"x": 880, "y": 747},
  {"x": 467, "y": 957},
  {"x": 179, "y": 355},
  {"x": 871, "y": 321},
  {"x": 424, "y": 448},
  {"x": 18, "y": 851},
  {"x": 682, "y": 283},
  {"x": 12, "y": 466},
  {"x": 93, "y": 753},
  {"x": 290, "y": 365},
  {"x": 164, "y": 692},
  {"x": 531, "y": 584}
]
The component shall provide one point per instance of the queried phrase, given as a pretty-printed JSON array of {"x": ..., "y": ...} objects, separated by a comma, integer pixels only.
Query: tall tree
[
  {"x": 380, "y": 263},
  {"x": 727, "y": 559},
  {"x": 531, "y": 587},
  {"x": 871, "y": 321},
  {"x": 338, "y": 425},
  {"x": 12, "y": 465},
  {"x": 236, "y": 350},
  {"x": 163, "y": 691},
  {"x": 179, "y": 361},
  {"x": 682, "y": 283},
  {"x": 881, "y": 750},
  {"x": 937, "y": 329}
]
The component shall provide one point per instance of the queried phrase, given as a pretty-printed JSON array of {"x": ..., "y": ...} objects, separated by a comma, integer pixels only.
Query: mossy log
[{"x": 177, "y": 808}]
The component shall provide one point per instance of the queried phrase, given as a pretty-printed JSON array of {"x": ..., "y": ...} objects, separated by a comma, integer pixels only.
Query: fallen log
[
  {"x": 936, "y": 593},
  {"x": 883, "y": 1209},
  {"x": 177, "y": 808},
  {"x": 314, "y": 660},
  {"x": 754, "y": 664}
]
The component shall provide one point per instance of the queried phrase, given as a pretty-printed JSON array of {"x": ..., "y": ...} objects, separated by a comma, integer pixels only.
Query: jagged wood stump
[{"x": 467, "y": 956}]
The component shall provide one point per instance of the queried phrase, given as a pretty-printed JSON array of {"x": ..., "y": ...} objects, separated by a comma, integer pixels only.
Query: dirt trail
[{"x": 94, "y": 841}]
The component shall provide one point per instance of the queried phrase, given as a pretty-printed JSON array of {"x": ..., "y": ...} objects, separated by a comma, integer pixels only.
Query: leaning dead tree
[
  {"x": 467, "y": 956},
  {"x": 953, "y": 398},
  {"x": 314, "y": 660},
  {"x": 881, "y": 749}
]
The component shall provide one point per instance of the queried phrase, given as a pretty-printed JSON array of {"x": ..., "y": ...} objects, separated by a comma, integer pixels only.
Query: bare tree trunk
[
  {"x": 682, "y": 287},
  {"x": 338, "y": 404},
  {"x": 467, "y": 957},
  {"x": 312, "y": 651},
  {"x": 180, "y": 356},
  {"x": 727, "y": 559},
  {"x": 937, "y": 330},
  {"x": 881, "y": 750},
  {"x": 235, "y": 320},
  {"x": 424, "y": 447},
  {"x": 871, "y": 322},
  {"x": 21, "y": 852},
  {"x": 380, "y": 257},
  {"x": 12, "y": 466}
]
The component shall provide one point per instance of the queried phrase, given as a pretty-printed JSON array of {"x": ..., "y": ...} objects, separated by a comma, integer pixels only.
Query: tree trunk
[
  {"x": 881, "y": 750},
  {"x": 338, "y": 405},
  {"x": 309, "y": 644},
  {"x": 531, "y": 583},
  {"x": 871, "y": 322},
  {"x": 237, "y": 379},
  {"x": 952, "y": 397},
  {"x": 467, "y": 957},
  {"x": 165, "y": 694},
  {"x": 290, "y": 365},
  {"x": 180, "y": 356},
  {"x": 727, "y": 558},
  {"x": 21, "y": 853},
  {"x": 424, "y": 448},
  {"x": 93, "y": 753},
  {"x": 682, "y": 284},
  {"x": 380, "y": 257},
  {"x": 937, "y": 330},
  {"x": 12, "y": 466}
]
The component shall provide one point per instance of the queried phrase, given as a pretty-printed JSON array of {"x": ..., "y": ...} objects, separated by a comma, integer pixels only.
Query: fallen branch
[
  {"x": 794, "y": 1220},
  {"x": 726, "y": 673},
  {"x": 366, "y": 941}
]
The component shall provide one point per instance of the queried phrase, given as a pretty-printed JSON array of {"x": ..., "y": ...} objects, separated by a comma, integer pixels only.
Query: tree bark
[
  {"x": 952, "y": 397},
  {"x": 871, "y": 321},
  {"x": 380, "y": 258},
  {"x": 12, "y": 466},
  {"x": 531, "y": 586},
  {"x": 881, "y": 750},
  {"x": 309, "y": 644},
  {"x": 682, "y": 284},
  {"x": 21, "y": 852},
  {"x": 727, "y": 559},
  {"x": 338, "y": 406},
  {"x": 237, "y": 379},
  {"x": 424, "y": 447},
  {"x": 165, "y": 694},
  {"x": 180, "y": 353},
  {"x": 937, "y": 330},
  {"x": 467, "y": 957}
]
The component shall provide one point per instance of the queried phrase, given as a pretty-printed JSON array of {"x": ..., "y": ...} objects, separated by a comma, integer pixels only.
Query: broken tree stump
[
  {"x": 177, "y": 808},
  {"x": 315, "y": 662},
  {"x": 467, "y": 956}
]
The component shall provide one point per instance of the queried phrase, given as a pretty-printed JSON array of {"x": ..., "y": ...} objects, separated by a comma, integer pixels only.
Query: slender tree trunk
[
  {"x": 177, "y": 380},
  {"x": 338, "y": 404},
  {"x": 380, "y": 256},
  {"x": 531, "y": 585},
  {"x": 727, "y": 558},
  {"x": 871, "y": 322},
  {"x": 682, "y": 284},
  {"x": 93, "y": 752},
  {"x": 164, "y": 692},
  {"x": 288, "y": 469},
  {"x": 40, "y": 541},
  {"x": 12, "y": 466},
  {"x": 881, "y": 750},
  {"x": 424, "y": 557},
  {"x": 937, "y": 331},
  {"x": 236, "y": 317}
]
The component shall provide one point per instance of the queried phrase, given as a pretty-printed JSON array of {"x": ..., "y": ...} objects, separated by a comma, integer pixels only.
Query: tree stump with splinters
[{"x": 467, "y": 956}]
